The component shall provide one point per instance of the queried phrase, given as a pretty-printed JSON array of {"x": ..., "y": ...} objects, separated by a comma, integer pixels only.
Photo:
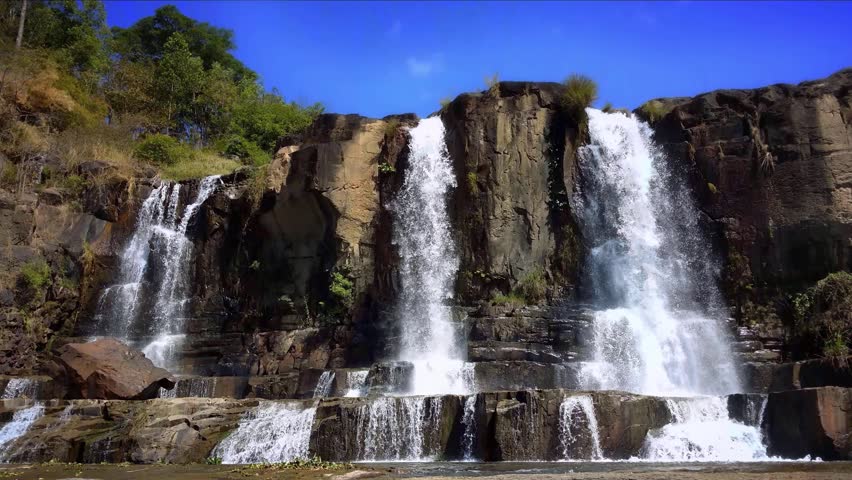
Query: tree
[
  {"x": 180, "y": 77},
  {"x": 20, "y": 37},
  {"x": 147, "y": 38}
]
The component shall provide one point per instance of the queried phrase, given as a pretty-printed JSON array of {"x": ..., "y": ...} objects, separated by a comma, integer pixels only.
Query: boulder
[{"x": 109, "y": 369}]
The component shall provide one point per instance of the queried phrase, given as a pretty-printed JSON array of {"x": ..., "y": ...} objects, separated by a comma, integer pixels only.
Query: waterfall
[
  {"x": 155, "y": 269},
  {"x": 16, "y": 427},
  {"x": 400, "y": 428},
  {"x": 469, "y": 423},
  {"x": 657, "y": 327},
  {"x": 20, "y": 387},
  {"x": 428, "y": 265},
  {"x": 356, "y": 382},
  {"x": 577, "y": 414},
  {"x": 273, "y": 432},
  {"x": 702, "y": 431},
  {"x": 324, "y": 384}
]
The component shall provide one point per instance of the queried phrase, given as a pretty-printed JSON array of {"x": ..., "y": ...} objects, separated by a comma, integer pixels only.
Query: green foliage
[
  {"x": 823, "y": 314},
  {"x": 199, "y": 164},
  {"x": 162, "y": 150},
  {"x": 213, "y": 461},
  {"x": 247, "y": 151},
  {"x": 36, "y": 273},
  {"x": 533, "y": 287},
  {"x": 836, "y": 349},
  {"x": 655, "y": 110},
  {"x": 341, "y": 290},
  {"x": 146, "y": 40},
  {"x": 712, "y": 188},
  {"x": 315, "y": 463},
  {"x": 179, "y": 80},
  {"x": 75, "y": 184},
  {"x": 472, "y": 183},
  {"x": 580, "y": 92},
  {"x": 386, "y": 167},
  {"x": 255, "y": 265},
  {"x": 510, "y": 300}
]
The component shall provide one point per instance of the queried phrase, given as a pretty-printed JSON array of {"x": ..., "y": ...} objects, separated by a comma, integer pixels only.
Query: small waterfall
[
  {"x": 658, "y": 325},
  {"x": 155, "y": 269},
  {"x": 20, "y": 387},
  {"x": 702, "y": 431},
  {"x": 16, "y": 427},
  {"x": 356, "y": 381},
  {"x": 577, "y": 415},
  {"x": 469, "y": 422},
  {"x": 428, "y": 265},
  {"x": 324, "y": 384},
  {"x": 399, "y": 429},
  {"x": 755, "y": 409},
  {"x": 273, "y": 432}
]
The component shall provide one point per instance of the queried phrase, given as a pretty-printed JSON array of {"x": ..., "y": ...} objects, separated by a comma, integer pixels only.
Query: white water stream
[{"x": 428, "y": 264}]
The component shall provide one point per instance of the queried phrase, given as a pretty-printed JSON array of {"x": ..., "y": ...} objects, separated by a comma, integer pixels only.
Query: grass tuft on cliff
[
  {"x": 580, "y": 93},
  {"x": 655, "y": 110}
]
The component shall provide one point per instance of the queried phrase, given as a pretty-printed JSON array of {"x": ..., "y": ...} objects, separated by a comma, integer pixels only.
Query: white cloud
[{"x": 422, "y": 67}]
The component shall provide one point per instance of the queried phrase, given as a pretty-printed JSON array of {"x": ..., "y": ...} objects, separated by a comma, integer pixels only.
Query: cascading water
[
  {"x": 272, "y": 432},
  {"x": 356, "y": 382},
  {"x": 17, "y": 427},
  {"x": 428, "y": 265},
  {"x": 324, "y": 384},
  {"x": 469, "y": 423},
  {"x": 702, "y": 431},
  {"x": 20, "y": 387},
  {"x": 399, "y": 429},
  {"x": 158, "y": 248},
  {"x": 657, "y": 328},
  {"x": 576, "y": 412}
]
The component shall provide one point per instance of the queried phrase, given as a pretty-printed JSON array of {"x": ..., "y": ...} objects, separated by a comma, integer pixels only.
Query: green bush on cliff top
[
  {"x": 655, "y": 110},
  {"x": 580, "y": 93}
]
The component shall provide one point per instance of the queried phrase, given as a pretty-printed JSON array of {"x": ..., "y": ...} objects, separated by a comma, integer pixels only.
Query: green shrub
[
  {"x": 823, "y": 316},
  {"x": 341, "y": 291},
  {"x": 386, "y": 167},
  {"x": 36, "y": 273},
  {"x": 247, "y": 151},
  {"x": 580, "y": 93},
  {"x": 74, "y": 184},
  {"x": 836, "y": 350},
  {"x": 161, "y": 149},
  {"x": 655, "y": 110},
  {"x": 532, "y": 287},
  {"x": 472, "y": 183},
  {"x": 213, "y": 460},
  {"x": 512, "y": 299}
]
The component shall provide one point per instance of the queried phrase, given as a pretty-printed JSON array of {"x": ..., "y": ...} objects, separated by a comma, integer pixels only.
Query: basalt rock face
[
  {"x": 814, "y": 421},
  {"x": 771, "y": 168},
  {"x": 44, "y": 233},
  {"x": 513, "y": 154}
]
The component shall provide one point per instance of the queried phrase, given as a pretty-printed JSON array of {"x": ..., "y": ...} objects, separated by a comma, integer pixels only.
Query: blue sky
[{"x": 381, "y": 58}]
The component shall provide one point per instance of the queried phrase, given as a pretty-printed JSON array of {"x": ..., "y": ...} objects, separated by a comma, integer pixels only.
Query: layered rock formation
[{"x": 770, "y": 168}]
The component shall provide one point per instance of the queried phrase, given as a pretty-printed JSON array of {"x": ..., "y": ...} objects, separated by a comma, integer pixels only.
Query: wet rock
[
  {"x": 812, "y": 421},
  {"x": 109, "y": 369},
  {"x": 390, "y": 377}
]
